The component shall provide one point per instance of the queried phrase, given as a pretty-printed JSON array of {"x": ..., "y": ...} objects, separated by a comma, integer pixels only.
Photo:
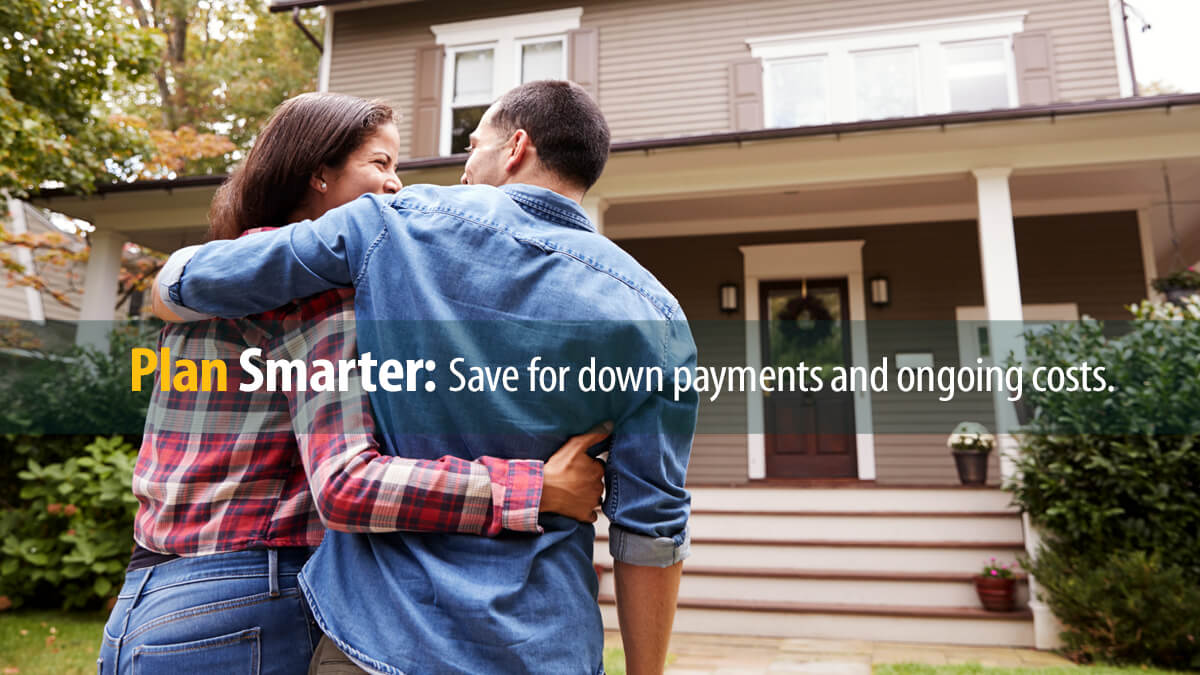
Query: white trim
[
  {"x": 504, "y": 35},
  {"x": 33, "y": 299},
  {"x": 1116, "y": 18},
  {"x": 968, "y": 319},
  {"x": 1149, "y": 254},
  {"x": 326, "y": 52},
  {"x": 513, "y": 26},
  {"x": 926, "y": 39},
  {"x": 895, "y": 34},
  {"x": 810, "y": 260},
  {"x": 824, "y": 220}
]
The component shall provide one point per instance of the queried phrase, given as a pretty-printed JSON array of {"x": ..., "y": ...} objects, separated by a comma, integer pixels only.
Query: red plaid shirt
[{"x": 229, "y": 470}]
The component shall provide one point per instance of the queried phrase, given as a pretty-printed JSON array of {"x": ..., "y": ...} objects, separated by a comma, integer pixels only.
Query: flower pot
[
  {"x": 1178, "y": 295},
  {"x": 972, "y": 466},
  {"x": 996, "y": 593}
]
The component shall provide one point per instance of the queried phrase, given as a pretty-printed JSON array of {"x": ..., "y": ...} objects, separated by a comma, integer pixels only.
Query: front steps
[{"x": 855, "y": 563}]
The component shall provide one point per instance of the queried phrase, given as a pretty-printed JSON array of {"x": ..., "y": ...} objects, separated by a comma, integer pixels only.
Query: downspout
[
  {"x": 1128, "y": 45},
  {"x": 317, "y": 43}
]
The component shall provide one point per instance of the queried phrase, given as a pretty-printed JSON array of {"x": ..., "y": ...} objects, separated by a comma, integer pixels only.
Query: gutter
[
  {"x": 304, "y": 29},
  {"x": 1051, "y": 111}
]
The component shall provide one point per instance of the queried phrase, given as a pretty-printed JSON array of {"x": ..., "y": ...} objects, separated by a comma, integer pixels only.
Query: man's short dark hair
[{"x": 563, "y": 122}]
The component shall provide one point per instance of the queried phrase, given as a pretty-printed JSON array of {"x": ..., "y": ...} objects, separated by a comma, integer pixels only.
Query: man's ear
[{"x": 519, "y": 148}]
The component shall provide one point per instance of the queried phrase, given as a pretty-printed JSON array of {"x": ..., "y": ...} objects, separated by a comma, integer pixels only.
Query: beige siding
[
  {"x": 933, "y": 268},
  {"x": 663, "y": 67},
  {"x": 12, "y": 302}
]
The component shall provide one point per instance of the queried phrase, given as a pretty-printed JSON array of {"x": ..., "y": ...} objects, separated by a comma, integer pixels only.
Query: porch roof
[{"x": 1051, "y": 112}]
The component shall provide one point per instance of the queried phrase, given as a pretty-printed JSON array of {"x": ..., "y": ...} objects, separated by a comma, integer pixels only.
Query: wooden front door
[{"x": 808, "y": 434}]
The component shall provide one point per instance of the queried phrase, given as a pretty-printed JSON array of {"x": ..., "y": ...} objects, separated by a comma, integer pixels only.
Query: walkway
[{"x": 740, "y": 655}]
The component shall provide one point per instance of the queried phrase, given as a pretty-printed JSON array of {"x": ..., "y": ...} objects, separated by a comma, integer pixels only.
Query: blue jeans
[{"x": 238, "y": 612}]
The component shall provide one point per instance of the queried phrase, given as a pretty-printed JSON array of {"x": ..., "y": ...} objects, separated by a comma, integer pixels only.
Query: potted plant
[
  {"x": 1179, "y": 285},
  {"x": 996, "y": 586},
  {"x": 971, "y": 444}
]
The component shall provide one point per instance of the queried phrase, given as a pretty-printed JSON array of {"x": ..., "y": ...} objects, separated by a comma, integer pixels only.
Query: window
[
  {"x": 899, "y": 70},
  {"x": 797, "y": 92},
  {"x": 486, "y": 58}
]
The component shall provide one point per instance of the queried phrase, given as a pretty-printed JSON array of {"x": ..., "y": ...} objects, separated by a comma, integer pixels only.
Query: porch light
[
  {"x": 881, "y": 293},
  {"x": 728, "y": 298}
]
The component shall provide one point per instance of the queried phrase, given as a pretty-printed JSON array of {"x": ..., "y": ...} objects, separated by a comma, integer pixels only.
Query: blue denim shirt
[{"x": 528, "y": 263}]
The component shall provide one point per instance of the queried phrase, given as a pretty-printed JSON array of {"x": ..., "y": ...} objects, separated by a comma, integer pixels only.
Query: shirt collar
[{"x": 549, "y": 205}]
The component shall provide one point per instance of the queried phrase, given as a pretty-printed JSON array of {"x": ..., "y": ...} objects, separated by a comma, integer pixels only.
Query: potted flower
[
  {"x": 996, "y": 585},
  {"x": 971, "y": 444},
  {"x": 1179, "y": 285}
]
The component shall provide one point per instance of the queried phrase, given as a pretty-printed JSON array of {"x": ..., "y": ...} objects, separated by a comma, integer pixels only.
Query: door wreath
[{"x": 805, "y": 321}]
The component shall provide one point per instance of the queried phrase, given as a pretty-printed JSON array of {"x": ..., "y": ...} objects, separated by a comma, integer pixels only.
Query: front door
[{"x": 808, "y": 435}]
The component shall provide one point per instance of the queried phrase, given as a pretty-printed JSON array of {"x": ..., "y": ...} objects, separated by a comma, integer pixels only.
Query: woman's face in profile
[{"x": 369, "y": 169}]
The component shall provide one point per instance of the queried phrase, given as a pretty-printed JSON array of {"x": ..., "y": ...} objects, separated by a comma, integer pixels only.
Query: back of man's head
[{"x": 564, "y": 123}]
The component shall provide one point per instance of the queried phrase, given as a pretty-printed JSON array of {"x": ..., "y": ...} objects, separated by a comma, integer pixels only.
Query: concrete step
[
  {"x": 851, "y": 499},
  {"x": 944, "y": 625},
  {"x": 853, "y": 526},
  {"x": 828, "y": 587},
  {"x": 960, "y": 557}
]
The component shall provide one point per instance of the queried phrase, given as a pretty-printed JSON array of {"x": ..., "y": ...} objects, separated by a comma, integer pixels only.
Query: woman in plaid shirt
[{"x": 236, "y": 487}]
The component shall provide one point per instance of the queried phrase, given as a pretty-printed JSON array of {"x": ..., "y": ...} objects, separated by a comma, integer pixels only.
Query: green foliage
[
  {"x": 1124, "y": 607},
  {"x": 59, "y": 61},
  {"x": 81, "y": 390},
  {"x": 222, "y": 68},
  {"x": 1113, "y": 479},
  {"x": 1184, "y": 279},
  {"x": 69, "y": 540}
]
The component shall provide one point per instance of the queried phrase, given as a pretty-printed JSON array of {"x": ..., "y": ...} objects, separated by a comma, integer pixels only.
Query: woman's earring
[{"x": 322, "y": 185}]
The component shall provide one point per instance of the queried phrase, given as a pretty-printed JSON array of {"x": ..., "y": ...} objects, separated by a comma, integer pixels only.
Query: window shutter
[
  {"x": 583, "y": 59},
  {"x": 746, "y": 95},
  {"x": 427, "y": 103},
  {"x": 1035, "y": 67}
]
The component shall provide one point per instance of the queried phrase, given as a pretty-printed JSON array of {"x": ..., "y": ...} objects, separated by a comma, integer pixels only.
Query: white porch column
[
  {"x": 100, "y": 285},
  {"x": 596, "y": 206},
  {"x": 1002, "y": 297}
]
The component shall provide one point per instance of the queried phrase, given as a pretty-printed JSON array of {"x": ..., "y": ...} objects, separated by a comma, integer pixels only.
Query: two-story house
[{"x": 900, "y": 167}]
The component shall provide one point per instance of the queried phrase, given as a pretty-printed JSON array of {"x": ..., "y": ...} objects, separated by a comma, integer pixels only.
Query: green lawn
[
  {"x": 976, "y": 669},
  {"x": 36, "y": 642},
  {"x": 26, "y": 647}
]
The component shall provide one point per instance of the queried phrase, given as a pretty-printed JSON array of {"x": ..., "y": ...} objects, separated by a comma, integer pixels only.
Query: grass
[
  {"x": 26, "y": 647},
  {"x": 614, "y": 661},
  {"x": 41, "y": 642},
  {"x": 976, "y": 669}
]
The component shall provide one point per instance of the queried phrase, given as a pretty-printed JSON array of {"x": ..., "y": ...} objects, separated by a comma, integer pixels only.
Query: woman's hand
[{"x": 573, "y": 482}]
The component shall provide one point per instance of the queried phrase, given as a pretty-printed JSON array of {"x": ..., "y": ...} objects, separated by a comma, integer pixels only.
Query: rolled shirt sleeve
[{"x": 646, "y": 502}]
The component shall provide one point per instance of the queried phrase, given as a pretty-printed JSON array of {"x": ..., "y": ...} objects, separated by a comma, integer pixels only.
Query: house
[{"x": 905, "y": 167}]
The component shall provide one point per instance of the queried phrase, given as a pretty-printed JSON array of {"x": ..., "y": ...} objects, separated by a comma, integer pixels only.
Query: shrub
[
  {"x": 1113, "y": 479},
  {"x": 69, "y": 541},
  {"x": 1124, "y": 607}
]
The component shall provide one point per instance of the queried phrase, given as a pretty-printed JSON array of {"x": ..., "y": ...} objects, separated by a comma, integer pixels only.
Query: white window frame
[
  {"x": 505, "y": 36},
  {"x": 928, "y": 37}
]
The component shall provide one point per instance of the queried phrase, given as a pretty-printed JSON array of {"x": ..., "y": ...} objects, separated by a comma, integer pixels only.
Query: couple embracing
[{"x": 452, "y": 533}]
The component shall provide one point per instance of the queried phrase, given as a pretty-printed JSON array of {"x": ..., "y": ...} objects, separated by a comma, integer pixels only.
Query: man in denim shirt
[{"x": 523, "y": 259}]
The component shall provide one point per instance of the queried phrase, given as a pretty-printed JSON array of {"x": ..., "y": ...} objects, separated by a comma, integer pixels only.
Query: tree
[
  {"x": 223, "y": 68},
  {"x": 60, "y": 61}
]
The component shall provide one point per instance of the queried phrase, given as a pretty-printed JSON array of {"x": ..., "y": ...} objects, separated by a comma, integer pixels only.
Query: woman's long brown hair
[{"x": 304, "y": 134}]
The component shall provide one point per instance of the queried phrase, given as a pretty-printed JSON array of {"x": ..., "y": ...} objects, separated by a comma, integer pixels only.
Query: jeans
[{"x": 239, "y": 612}]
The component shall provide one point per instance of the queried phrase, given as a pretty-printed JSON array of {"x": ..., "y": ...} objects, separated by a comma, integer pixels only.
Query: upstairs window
[
  {"x": 898, "y": 70},
  {"x": 486, "y": 58}
]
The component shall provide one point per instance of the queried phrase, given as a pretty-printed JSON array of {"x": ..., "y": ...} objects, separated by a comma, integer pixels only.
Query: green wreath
[{"x": 805, "y": 321}]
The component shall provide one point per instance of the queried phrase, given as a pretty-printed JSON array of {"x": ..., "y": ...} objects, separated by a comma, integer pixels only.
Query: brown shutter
[
  {"x": 1034, "y": 57},
  {"x": 427, "y": 104},
  {"x": 583, "y": 59},
  {"x": 746, "y": 95}
]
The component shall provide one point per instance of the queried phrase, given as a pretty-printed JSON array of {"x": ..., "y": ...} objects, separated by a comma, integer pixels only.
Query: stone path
[{"x": 740, "y": 655}]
